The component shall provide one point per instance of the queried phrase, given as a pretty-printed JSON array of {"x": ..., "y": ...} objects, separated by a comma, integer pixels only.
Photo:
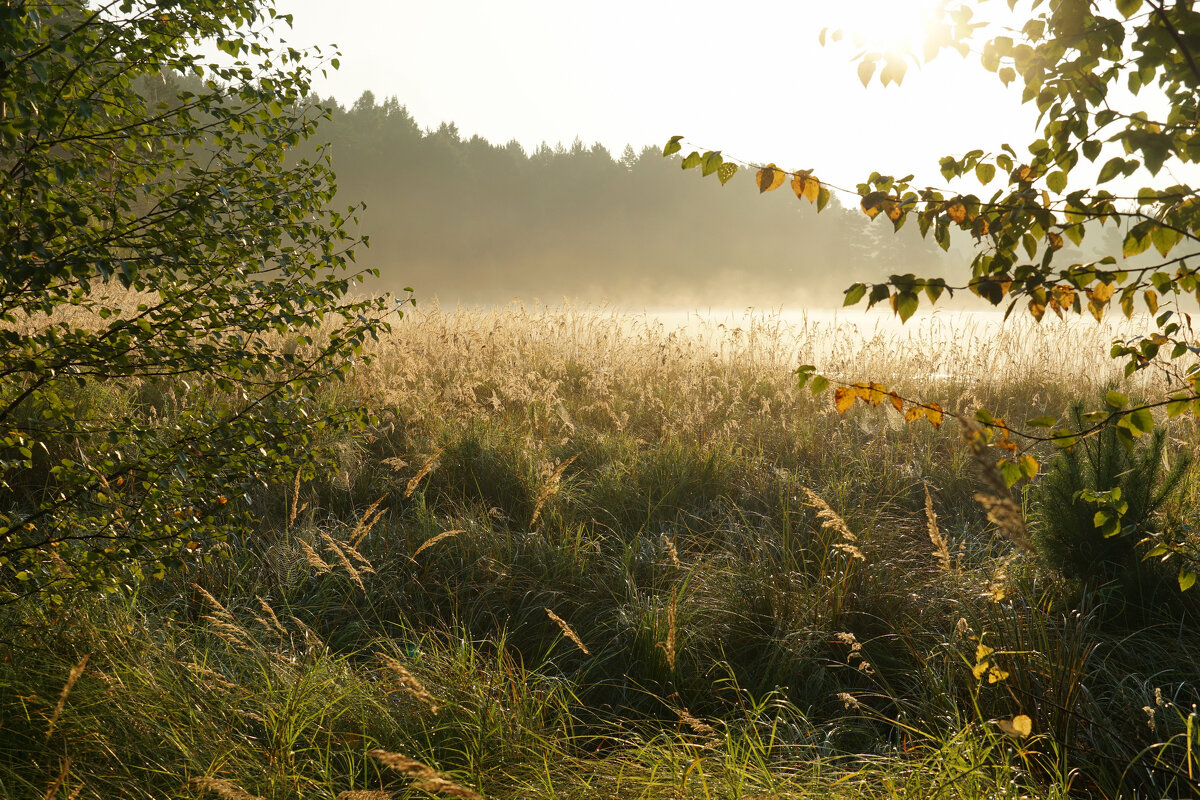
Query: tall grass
[{"x": 588, "y": 554}]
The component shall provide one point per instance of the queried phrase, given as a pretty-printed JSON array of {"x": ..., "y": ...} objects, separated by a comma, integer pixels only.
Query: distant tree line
[{"x": 469, "y": 221}]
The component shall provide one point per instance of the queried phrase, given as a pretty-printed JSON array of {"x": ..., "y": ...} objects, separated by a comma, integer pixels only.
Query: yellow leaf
[
  {"x": 934, "y": 414},
  {"x": 979, "y": 669},
  {"x": 913, "y": 413},
  {"x": 878, "y": 393},
  {"x": 1055, "y": 240},
  {"x": 983, "y": 651},
  {"x": 843, "y": 398},
  {"x": 1026, "y": 174},
  {"x": 769, "y": 178},
  {"x": 995, "y": 675},
  {"x": 896, "y": 401},
  {"x": 1151, "y": 298},
  {"x": 957, "y": 211},
  {"x": 1029, "y": 465},
  {"x": 1037, "y": 308},
  {"x": 1103, "y": 292},
  {"x": 806, "y": 186},
  {"x": 1018, "y": 727},
  {"x": 863, "y": 390},
  {"x": 812, "y": 189}
]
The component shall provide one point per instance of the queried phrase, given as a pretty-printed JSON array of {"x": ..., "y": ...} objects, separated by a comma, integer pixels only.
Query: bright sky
[{"x": 746, "y": 78}]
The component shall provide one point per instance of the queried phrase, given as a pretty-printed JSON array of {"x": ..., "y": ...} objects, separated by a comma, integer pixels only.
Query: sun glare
[{"x": 886, "y": 25}]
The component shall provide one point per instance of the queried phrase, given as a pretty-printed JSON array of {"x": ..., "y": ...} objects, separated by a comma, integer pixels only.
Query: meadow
[{"x": 586, "y": 554}]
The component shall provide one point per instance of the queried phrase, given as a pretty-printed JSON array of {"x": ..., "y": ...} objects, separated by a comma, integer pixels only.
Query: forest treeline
[{"x": 468, "y": 221}]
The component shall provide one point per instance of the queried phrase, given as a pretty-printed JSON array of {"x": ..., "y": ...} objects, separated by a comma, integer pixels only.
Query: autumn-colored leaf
[
  {"x": 935, "y": 415},
  {"x": 769, "y": 178},
  {"x": 1102, "y": 292},
  {"x": 1037, "y": 307},
  {"x": 1018, "y": 727},
  {"x": 726, "y": 171},
  {"x": 806, "y": 186},
  {"x": 872, "y": 203},
  {"x": 812, "y": 190},
  {"x": 957, "y": 211},
  {"x": 914, "y": 413},
  {"x": 843, "y": 398},
  {"x": 1055, "y": 240},
  {"x": 897, "y": 403}
]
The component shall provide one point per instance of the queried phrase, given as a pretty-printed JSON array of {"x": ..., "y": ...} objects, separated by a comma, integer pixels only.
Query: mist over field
[{"x": 464, "y": 220}]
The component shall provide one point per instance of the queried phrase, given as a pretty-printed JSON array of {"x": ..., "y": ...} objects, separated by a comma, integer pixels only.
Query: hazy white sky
[{"x": 747, "y": 78}]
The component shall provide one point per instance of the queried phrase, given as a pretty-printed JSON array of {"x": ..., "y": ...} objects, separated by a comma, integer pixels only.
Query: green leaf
[
  {"x": 1178, "y": 405},
  {"x": 819, "y": 384},
  {"x": 726, "y": 171},
  {"x": 1187, "y": 579},
  {"x": 1042, "y": 422},
  {"x": 1064, "y": 438},
  {"x": 693, "y": 160},
  {"x": 1128, "y": 8},
  {"x": 906, "y": 304},
  {"x": 854, "y": 294},
  {"x": 1165, "y": 239},
  {"x": 1142, "y": 420},
  {"x": 1116, "y": 400},
  {"x": 711, "y": 162},
  {"x": 1111, "y": 169},
  {"x": 673, "y": 146},
  {"x": 985, "y": 172},
  {"x": 1010, "y": 472},
  {"x": 1057, "y": 181}
]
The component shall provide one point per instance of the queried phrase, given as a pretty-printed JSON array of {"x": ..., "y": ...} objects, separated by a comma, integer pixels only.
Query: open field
[{"x": 582, "y": 554}]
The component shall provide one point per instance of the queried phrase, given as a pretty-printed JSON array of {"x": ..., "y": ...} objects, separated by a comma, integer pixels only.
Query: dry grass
[{"x": 704, "y": 380}]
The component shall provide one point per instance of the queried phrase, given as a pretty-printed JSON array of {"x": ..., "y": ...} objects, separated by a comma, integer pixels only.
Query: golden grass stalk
[
  {"x": 550, "y": 487},
  {"x": 568, "y": 631},
  {"x": 296, "y": 507},
  {"x": 669, "y": 543},
  {"x": 444, "y": 786},
  {"x": 409, "y": 683},
  {"x": 56, "y": 784},
  {"x": 698, "y": 726},
  {"x": 432, "y": 540},
  {"x": 425, "y": 778},
  {"x": 364, "y": 794},
  {"x": 224, "y": 789},
  {"x": 402, "y": 764},
  {"x": 425, "y": 469},
  {"x": 275, "y": 625},
  {"x": 342, "y": 559},
  {"x": 364, "y": 564},
  {"x": 72, "y": 677},
  {"x": 941, "y": 548},
  {"x": 313, "y": 559},
  {"x": 367, "y": 521},
  {"x": 832, "y": 521},
  {"x": 668, "y": 646}
]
